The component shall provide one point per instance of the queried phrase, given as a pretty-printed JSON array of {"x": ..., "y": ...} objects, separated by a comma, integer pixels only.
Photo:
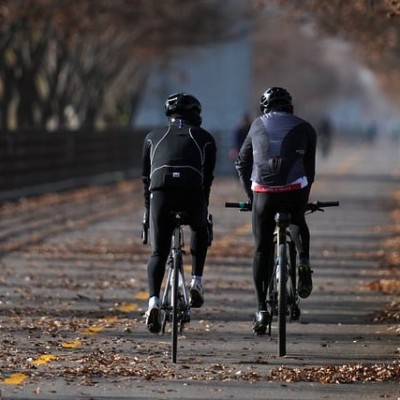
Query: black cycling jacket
[
  {"x": 179, "y": 156},
  {"x": 279, "y": 149}
]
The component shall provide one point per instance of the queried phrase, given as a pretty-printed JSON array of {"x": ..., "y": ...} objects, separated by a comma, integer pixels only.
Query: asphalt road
[{"x": 73, "y": 294}]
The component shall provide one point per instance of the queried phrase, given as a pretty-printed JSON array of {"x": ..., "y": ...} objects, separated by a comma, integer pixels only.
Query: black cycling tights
[
  {"x": 265, "y": 206},
  {"x": 161, "y": 227}
]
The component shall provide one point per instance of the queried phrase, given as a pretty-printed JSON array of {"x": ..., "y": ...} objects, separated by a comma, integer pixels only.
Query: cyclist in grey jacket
[
  {"x": 178, "y": 163},
  {"x": 276, "y": 166}
]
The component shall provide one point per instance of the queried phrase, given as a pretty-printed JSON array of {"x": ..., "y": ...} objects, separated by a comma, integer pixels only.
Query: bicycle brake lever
[{"x": 313, "y": 208}]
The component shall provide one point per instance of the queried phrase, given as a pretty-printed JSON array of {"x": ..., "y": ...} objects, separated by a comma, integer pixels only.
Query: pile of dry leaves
[
  {"x": 339, "y": 373},
  {"x": 389, "y": 283}
]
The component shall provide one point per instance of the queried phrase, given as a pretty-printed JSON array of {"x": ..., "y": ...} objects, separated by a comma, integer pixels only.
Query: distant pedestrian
[
  {"x": 239, "y": 134},
  {"x": 325, "y": 136},
  {"x": 371, "y": 131}
]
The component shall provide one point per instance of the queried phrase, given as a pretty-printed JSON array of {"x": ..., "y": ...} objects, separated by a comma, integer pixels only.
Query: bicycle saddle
[{"x": 282, "y": 218}]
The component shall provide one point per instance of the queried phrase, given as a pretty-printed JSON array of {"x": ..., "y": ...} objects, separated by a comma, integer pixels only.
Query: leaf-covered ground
[{"x": 42, "y": 335}]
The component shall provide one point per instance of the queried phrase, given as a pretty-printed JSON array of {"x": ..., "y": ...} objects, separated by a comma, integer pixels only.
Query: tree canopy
[
  {"x": 68, "y": 63},
  {"x": 65, "y": 62},
  {"x": 371, "y": 26}
]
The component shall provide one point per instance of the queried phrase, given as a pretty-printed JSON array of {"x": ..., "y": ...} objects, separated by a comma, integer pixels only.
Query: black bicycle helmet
[
  {"x": 277, "y": 99},
  {"x": 182, "y": 104}
]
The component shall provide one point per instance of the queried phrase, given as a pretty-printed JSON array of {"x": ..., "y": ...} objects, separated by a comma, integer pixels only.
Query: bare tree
[
  {"x": 87, "y": 57},
  {"x": 371, "y": 26}
]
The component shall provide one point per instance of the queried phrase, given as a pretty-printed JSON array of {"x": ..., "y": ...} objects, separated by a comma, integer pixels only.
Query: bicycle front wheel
[
  {"x": 282, "y": 300},
  {"x": 175, "y": 314}
]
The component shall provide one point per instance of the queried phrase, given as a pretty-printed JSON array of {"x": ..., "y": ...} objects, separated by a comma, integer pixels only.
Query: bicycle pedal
[
  {"x": 295, "y": 313},
  {"x": 168, "y": 318},
  {"x": 260, "y": 332}
]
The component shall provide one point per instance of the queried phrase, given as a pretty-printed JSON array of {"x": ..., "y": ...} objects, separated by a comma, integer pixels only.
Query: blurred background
[{"x": 81, "y": 82}]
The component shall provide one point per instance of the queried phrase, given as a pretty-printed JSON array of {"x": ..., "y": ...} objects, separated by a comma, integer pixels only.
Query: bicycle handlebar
[
  {"x": 319, "y": 205},
  {"x": 312, "y": 207}
]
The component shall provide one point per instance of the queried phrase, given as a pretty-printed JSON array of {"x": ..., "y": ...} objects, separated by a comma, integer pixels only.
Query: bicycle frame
[
  {"x": 175, "y": 299},
  {"x": 287, "y": 236},
  {"x": 281, "y": 291}
]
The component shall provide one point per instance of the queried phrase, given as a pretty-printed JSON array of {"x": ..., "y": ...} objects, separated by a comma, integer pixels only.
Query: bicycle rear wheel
[
  {"x": 175, "y": 314},
  {"x": 282, "y": 301}
]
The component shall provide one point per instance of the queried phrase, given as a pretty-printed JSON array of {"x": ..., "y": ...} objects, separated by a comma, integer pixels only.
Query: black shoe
[
  {"x": 261, "y": 321},
  {"x": 305, "y": 281}
]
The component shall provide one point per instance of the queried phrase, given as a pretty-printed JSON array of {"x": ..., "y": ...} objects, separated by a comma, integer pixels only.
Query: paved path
[{"x": 73, "y": 293}]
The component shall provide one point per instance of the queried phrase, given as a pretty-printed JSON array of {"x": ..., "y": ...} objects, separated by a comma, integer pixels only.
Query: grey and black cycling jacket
[
  {"x": 278, "y": 150},
  {"x": 179, "y": 156}
]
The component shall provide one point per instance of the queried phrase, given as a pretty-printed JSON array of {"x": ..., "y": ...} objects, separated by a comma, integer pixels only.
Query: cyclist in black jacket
[
  {"x": 276, "y": 165},
  {"x": 178, "y": 170}
]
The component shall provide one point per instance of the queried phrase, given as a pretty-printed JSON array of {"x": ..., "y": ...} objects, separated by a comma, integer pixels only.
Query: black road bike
[
  {"x": 282, "y": 295},
  {"x": 175, "y": 300}
]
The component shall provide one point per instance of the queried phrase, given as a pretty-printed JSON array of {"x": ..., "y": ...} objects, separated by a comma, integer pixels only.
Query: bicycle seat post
[
  {"x": 179, "y": 218},
  {"x": 282, "y": 219}
]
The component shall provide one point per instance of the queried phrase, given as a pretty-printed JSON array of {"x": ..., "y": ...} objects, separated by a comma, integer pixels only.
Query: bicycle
[
  {"x": 282, "y": 297},
  {"x": 175, "y": 302},
  {"x": 175, "y": 299}
]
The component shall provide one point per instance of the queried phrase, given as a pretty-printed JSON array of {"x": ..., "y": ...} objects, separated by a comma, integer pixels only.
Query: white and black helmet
[
  {"x": 182, "y": 104},
  {"x": 275, "y": 98}
]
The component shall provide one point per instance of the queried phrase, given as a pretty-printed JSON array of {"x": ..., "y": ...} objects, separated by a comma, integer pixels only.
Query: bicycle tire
[
  {"x": 175, "y": 313},
  {"x": 282, "y": 300}
]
